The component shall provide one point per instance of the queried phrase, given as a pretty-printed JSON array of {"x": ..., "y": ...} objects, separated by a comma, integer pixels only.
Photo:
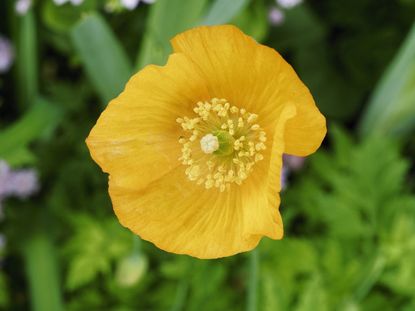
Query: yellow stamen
[{"x": 221, "y": 144}]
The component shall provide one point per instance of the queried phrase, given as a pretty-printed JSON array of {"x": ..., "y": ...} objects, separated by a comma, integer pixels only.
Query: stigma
[
  {"x": 209, "y": 143},
  {"x": 221, "y": 144}
]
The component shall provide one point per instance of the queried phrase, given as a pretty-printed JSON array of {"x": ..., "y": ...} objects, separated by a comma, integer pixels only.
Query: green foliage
[
  {"x": 4, "y": 292},
  {"x": 339, "y": 53},
  {"x": 349, "y": 214},
  {"x": 42, "y": 268},
  {"x": 356, "y": 220},
  {"x": 38, "y": 122},
  {"x": 93, "y": 247},
  {"x": 223, "y": 11},
  {"x": 62, "y": 18},
  {"x": 253, "y": 20},
  {"x": 103, "y": 56},
  {"x": 391, "y": 109},
  {"x": 163, "y": 24}
]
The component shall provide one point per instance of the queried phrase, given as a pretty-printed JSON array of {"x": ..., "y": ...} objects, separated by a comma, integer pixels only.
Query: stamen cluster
[{"x": 240, "y": 139}]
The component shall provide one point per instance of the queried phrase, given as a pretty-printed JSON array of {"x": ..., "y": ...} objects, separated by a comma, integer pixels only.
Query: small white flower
[
  {"x": 22, "y": 6},
  {"x": 6, "y": 55},
  {"x": 19, "y": 183},
  {"x": 288, "y": 4},
  {"x": 276, "y": 16},
  {"x": 23, "y": 183},
  {"x": 73, "y": 2},
  {"x": 130, "y": 4},
  {"x": 4, "y": 175},
  {"x": 76, "y": 2}
]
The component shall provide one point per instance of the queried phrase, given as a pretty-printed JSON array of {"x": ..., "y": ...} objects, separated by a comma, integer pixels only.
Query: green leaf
[
  {"x": 105, "y": 60},
  {"x": 42, "y": 272},
  {"x": 222, "y": 11},
  {"x": 62, "y": 18},
  {"x": 391, "y": 109},
  {"x": 93, "y": 247},
  {"x": 40, "y": 120},
  {"x": 253, "y": 20},
  {"x": 313, "y": 297},
  {"x": 166, "y": 19}
]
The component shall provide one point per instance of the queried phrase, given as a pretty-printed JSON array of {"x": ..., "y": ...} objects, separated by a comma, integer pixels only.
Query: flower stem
[
  {"x": 253, "y": 281},
  {"x": 43, "y": 273}
]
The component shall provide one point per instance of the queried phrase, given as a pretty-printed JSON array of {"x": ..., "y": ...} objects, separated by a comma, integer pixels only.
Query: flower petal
[
  {"x": 136, "y": 137},
  {"x": 256, "y": 77},
  {"x": 182, "y": 217}
]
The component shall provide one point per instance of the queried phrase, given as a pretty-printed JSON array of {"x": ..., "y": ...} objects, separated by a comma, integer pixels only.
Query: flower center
[
  {"x": 221, "y": 144},
  {"x": 209, "y": 143}
]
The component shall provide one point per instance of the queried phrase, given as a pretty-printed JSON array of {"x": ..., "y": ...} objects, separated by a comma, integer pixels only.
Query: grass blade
[
  {"x": 222, "y": 11},
  {"x": 391, "y": 109},
  {"x": 102, "y": 55}
]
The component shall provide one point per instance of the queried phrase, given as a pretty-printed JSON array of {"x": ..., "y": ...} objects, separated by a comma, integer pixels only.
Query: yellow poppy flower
[{"x": 194, "y": 148}]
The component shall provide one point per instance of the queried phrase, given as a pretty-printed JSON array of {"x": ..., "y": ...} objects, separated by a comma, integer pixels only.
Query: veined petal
[
  {"x": 266, "y": 180},
  {"x": 255, "y": 77},
  {"x": 181, "y": 217},
  {"x": 135, "y": 138}
]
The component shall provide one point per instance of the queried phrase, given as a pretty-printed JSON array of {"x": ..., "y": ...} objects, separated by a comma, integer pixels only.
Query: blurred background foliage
[{"x": 349, "y": 211}]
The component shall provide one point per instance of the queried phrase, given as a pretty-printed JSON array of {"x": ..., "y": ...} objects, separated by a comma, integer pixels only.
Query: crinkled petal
[
  {"x": 182, "y": 217},
  {"x": 136, "y": 137},
  {"x": 256, "y": 77}
]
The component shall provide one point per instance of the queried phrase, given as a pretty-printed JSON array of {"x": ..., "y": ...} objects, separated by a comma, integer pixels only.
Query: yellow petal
[
  {"x": 135, "y": 138},
  {"x": 182, "y": 217},
  {"x": 256, "y": 77}
]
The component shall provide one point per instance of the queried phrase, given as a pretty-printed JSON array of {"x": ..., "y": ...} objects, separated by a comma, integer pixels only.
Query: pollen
[{"x": 221, "y": 144}]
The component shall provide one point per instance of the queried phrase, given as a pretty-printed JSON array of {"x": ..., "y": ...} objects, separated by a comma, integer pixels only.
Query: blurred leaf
[
  {"x": 222, "y": 11},
  {"x": 358, "y": 215},
  {"x": 253, "y": 20},
  {"x": 40, "y": 120},
  {"x": 166, "y": 19},
  {"x": 42, "y": 272},
  {"x": 391, "y": 109},
  {"x": 273, "y": 293},
  {"x": 61, "y": 18},
  {"x": 93, "y": 247},
  {"x": 105, "y": 61},
  {"x": 399, "y": 246},
  {"x": 314, "y": 297},
  {"x": 4, "y": 292},
  {"x": 252, "y": 284},
  {"x": 284, "y": 266},
  {"x": 27, "y": 66}
]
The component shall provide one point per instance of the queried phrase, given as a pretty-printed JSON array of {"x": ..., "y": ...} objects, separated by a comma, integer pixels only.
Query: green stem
[
  {"x": 253, "y": 281},
  {"x": 181, "y": 295},
  {"x": 27, "y": 66},
  {"x": 42, "y": 273},
  {"x": 136, "y": 244}
]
